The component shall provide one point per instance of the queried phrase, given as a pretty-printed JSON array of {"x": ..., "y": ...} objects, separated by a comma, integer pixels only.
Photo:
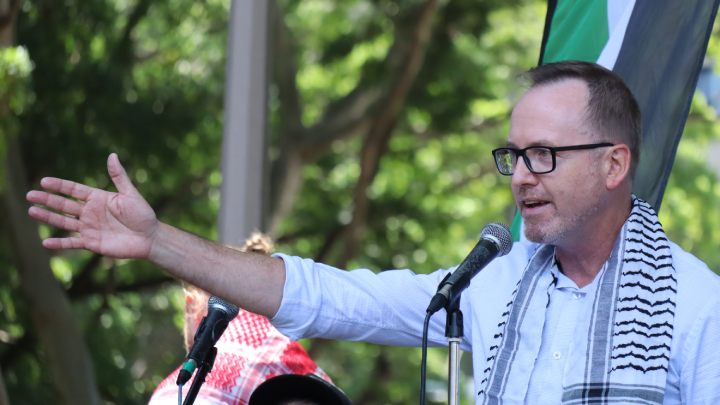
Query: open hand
[{"x": 120, "y": 225}]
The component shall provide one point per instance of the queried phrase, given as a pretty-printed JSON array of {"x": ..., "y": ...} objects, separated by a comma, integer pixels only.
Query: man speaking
[{"x": 597, "y": 307}]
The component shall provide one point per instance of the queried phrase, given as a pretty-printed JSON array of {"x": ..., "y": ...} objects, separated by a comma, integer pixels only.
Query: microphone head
[
  {"x": 224, "y": 306},
  {"x": 500, "y": 234}
]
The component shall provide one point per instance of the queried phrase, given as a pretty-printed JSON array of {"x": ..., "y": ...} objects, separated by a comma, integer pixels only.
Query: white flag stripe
[
  {"x": 615, "y": 10},
  {"x": 612, "y": 48}
]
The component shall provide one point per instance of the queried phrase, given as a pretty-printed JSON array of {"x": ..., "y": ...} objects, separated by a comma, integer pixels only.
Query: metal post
[
  {"x": 454, "y": 372},
  {"x": 243, "y": 150},
  {"x": 454, "y": 334}
]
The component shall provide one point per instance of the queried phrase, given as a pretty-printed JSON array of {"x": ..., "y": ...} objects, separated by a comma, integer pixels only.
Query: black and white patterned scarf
[{"x": 626, "y": 356}]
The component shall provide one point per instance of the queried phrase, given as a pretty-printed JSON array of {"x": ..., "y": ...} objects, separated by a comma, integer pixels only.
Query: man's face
[{"x": 555, "y": 206}]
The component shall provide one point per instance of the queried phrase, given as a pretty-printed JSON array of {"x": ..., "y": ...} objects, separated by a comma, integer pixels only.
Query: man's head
[
  {"x": 295, "y": 389},
  {"x": 574, "y": 103},
  {"x": 611, "y": 111}
]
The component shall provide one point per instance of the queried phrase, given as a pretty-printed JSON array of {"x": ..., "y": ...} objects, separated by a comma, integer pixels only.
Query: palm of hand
[
  {"x": 117, "y": 225},
  {"x": 120, "y": 225}
]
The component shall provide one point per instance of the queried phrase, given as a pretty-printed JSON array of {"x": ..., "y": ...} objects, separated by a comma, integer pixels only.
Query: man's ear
[{"x": 617, "y": 165}]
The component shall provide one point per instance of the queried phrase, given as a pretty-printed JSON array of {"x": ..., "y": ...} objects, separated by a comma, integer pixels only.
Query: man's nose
[{"x": 522, "y": 175}]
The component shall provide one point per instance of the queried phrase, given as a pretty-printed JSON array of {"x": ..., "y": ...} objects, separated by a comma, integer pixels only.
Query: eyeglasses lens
[
  {"x": 541, "y": 160},
  {"x": 505, "y": 160}
]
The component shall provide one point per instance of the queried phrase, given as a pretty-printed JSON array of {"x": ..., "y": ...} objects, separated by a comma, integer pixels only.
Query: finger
[
  {"x": 51, "y": 218},
  {"x": 55, "y": 202},
  {"x": 119, "y": 176},
  {"x": 67, "y": 187},
  {"x": 64, "y": 243}
]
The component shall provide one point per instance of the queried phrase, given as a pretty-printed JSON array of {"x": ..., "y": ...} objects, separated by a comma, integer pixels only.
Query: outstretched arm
[{"x": 123, "y": 225}]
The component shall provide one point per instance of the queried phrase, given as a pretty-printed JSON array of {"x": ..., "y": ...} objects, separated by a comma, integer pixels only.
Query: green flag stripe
[
  {"x": 579, "y": 31},
  {"x": 516, "y": 227}
]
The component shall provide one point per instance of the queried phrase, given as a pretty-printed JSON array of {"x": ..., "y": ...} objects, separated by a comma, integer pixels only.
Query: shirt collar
[{"x": 564, "y": 281}]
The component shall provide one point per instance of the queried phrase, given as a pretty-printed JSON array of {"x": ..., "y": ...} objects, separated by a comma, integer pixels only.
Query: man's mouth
[{"x": 534, "y": 204}]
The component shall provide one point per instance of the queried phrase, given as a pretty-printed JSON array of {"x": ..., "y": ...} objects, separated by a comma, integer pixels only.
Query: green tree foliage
[
  {"x": 145, "y": 79},
  {"x": 15, "y": 68},
  {"x": 689, "y": 212}
]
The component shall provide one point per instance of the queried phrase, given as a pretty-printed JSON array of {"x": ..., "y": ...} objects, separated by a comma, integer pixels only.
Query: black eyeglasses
[{"x": 538, "y": 159}]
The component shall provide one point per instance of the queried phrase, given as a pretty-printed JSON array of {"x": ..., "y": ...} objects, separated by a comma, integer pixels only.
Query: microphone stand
[
  {"x": 204, "y": 369},
  {"x": 454, "y": 335}
]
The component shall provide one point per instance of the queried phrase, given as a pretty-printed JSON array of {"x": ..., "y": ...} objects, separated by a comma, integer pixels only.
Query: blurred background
[{"x": 145, "y": 79}]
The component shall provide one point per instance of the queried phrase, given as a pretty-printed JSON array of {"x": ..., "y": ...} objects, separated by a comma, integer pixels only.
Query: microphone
[
  {"x": 220, "y": 313},
  {"x": 495, "y": 241}
]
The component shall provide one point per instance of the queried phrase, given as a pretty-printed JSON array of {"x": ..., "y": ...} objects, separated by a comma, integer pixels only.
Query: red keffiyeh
[{"x": 249, "y": 352}]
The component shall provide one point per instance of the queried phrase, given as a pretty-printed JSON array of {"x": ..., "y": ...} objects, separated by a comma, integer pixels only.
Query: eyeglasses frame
[{"x": 553, "y": 152}]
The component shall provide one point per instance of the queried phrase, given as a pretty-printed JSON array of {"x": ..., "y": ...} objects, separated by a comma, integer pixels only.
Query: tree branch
[
  {"x": 330, "y": 240},
  {"x": 8, "y": 9},
  {"x": 112, "y": 288},
  {"x": 377, "y": 138},
  {"x": 346, "y": 116},
  {"x": 84, "y": 280},
  {"x": 285, "y": 72},
  {"x": 56, "y": 327},
  {"x": 285, "y": 172},
  {"x": 123, "y": 50},
  {"x": 342, "y": 119},
  {"x": 8, "y": 14}
]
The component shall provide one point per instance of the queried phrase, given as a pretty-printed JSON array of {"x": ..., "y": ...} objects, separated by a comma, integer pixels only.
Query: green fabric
[
  {"x": 516, "y": 226},
  {"x": 579, "y": 31}
]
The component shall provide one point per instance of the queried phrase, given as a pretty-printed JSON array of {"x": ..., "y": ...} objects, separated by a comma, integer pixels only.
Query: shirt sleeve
[
  {"x": 700, "y": 372},
  {"x": 359, "y": 305}
]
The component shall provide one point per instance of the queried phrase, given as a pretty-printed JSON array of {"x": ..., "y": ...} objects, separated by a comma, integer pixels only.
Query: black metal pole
[{"x": 204, "y": 369}]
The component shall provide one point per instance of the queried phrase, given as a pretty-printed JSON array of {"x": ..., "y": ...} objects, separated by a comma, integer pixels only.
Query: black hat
[{"x": 289, "y": 387}]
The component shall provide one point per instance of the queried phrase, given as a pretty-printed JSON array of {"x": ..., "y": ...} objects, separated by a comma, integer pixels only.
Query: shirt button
[
  {"x": 557, "y": 355},
  {"x": 577, "y": 296}
]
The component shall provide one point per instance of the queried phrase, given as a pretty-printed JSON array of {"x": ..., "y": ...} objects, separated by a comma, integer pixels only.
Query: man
[{"x": 598, "y": 307}]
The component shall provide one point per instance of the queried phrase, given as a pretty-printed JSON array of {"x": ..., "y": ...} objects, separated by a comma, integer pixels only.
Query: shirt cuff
[{"x": 300, "y": 304}]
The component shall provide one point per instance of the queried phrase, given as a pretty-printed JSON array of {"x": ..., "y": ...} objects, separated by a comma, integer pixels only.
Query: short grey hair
[{"x": 611, "y": 108}]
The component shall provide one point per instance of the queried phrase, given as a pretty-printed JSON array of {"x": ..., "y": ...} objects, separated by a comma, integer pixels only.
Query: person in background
[
  {"x": 293, "y": 389},
  {"x": 249, "y": 352}
]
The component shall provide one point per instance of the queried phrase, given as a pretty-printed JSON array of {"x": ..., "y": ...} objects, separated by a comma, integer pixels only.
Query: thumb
[{"x": 119, "y": 176}]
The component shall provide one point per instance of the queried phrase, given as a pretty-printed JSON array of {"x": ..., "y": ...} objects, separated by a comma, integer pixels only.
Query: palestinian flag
[{"x": 657, "y": 47}]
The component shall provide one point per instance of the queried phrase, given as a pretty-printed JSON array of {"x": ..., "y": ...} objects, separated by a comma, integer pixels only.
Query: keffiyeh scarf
[
  {"x": 249, "y": 352},
  {"x": 626, "y": 355}
]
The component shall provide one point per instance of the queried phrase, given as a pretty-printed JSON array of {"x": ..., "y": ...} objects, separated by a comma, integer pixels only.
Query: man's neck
[{"x": 583, "y": 256}]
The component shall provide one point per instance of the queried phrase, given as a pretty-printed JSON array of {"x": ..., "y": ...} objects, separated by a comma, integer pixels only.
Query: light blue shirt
[
  {"x": 567, "y": 304},
  {"x": 389, "y": 308}
]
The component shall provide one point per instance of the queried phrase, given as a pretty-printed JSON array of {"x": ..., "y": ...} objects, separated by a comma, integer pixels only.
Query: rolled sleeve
[{"x": 386, "y": 308}]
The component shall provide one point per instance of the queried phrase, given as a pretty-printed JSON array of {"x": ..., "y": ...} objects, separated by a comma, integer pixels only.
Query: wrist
[{"x": 158, "y": 244}]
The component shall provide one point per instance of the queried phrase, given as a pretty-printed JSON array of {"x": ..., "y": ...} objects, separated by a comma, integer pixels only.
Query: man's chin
[
  {"x": 535, "y": 237},
  {"x": 537, "y": 234}
]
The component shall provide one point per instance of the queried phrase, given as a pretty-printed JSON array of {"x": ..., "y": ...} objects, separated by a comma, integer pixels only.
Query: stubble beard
[
  {"x": 558, "y": 228},
  {"x": 550, "y": 231}
]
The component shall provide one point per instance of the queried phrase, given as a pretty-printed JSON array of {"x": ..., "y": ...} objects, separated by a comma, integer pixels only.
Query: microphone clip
[{"x": 441, "y": 297}]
